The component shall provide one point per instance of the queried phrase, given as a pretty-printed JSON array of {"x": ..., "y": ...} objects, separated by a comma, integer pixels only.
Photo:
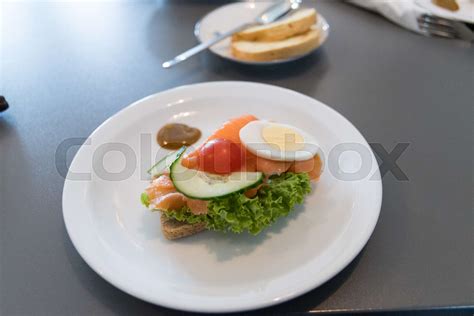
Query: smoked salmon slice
[
  {"x": 163, "y": 196},
  {"x": 159, "y": 187},
  {"x": 170, "y": 201},
  {"x": 312, "y": 166},
  {"x": 197, "y": 207},
  {"x": 271, "y": 167}
]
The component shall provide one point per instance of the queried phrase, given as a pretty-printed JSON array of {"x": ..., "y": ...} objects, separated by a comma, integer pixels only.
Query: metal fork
[{"x": 436, "y": 26}]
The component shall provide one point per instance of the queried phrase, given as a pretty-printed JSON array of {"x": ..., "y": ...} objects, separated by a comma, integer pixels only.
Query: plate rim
[
  {"x": 325, "y": 26},
  {"x": 347, "y": 256}
]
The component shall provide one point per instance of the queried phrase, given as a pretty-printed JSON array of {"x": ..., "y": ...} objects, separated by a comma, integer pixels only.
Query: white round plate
[
  {"x": 218, "y": 21},
  {"x": 211, "y": 271},
  {"x": 465, "y": 12}
]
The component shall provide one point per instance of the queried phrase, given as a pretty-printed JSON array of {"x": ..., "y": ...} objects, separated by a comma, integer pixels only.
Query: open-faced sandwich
[{"x": 244, "y": 177}]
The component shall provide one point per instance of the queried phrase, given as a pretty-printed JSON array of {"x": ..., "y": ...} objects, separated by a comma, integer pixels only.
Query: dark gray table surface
[{"x": 66, "y": 67}]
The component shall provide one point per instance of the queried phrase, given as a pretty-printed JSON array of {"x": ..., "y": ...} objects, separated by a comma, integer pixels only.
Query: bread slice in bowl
[
  {"x": 268, "y": 51},
  {"x": 297, "y": 23}
]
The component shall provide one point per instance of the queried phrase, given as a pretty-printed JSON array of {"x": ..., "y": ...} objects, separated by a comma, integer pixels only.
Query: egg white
[{"x": 251, "y": 137}]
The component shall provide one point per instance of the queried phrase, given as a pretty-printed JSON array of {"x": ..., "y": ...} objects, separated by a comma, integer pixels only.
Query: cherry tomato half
[{"x": 220, "y": 156}]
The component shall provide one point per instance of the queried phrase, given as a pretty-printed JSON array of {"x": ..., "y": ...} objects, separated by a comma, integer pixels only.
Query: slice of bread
[
  {"x": 173, "y": 229},
  {"x": 267, "y": 51},
  {"x": 297, "y": 23}
]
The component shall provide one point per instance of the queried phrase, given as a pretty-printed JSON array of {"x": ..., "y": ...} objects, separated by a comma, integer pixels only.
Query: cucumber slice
[
  {"x": 164, "y": 164},
  {"x": 201, "y": 185}
]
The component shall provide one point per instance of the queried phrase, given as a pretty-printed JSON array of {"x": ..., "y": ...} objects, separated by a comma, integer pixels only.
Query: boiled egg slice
[{"x": 276, "y": 141}]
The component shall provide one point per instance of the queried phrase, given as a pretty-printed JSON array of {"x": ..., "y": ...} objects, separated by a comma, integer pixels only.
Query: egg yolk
[{"x": 283, "y": 138}]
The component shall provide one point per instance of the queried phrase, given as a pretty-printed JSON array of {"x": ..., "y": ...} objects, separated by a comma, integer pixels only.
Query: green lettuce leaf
[
  {"x": 237, "y": 213},
  {"x": 144, "y": 199}
]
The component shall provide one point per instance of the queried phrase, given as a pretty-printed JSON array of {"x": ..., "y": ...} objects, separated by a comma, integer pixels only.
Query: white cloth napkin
[{"x": 401, "y": 12}]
